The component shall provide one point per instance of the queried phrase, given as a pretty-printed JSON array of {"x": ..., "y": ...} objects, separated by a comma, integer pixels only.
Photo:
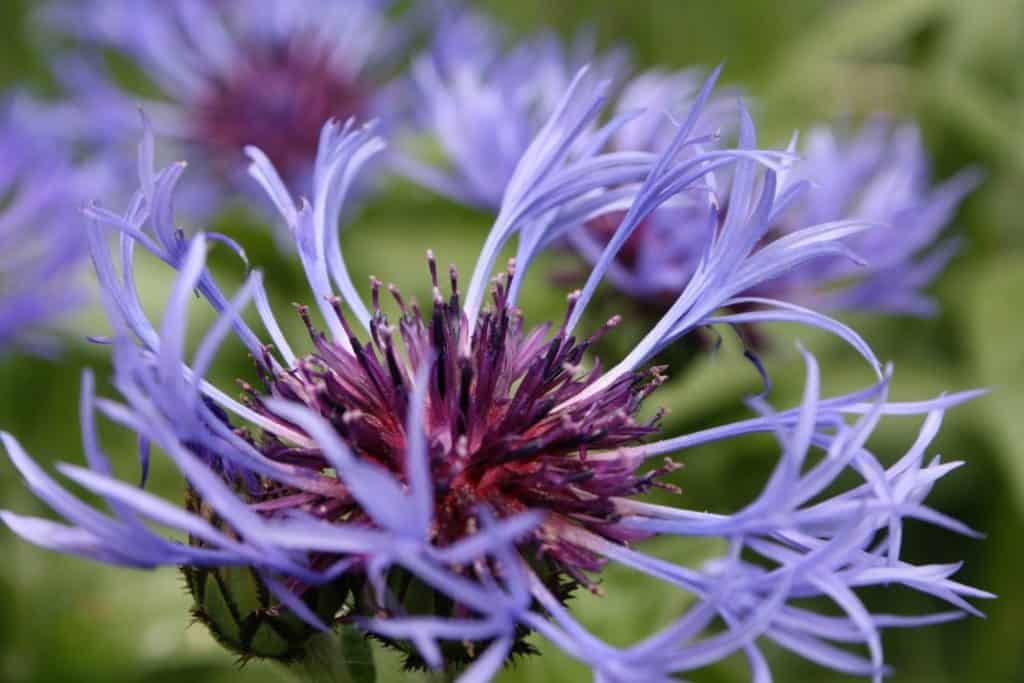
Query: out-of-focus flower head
[
  {"x": 483, "y": 104},
  {"x": 882, "y": 174},
  {"x": 43, "y": 240},
  {"x": 226, "y": 75},
  {"x": 446, "y": 479},
  {"x": 482, "y": 108},
  {"x": 879, "y": 175},
  {"x": 655, "y": 259}
]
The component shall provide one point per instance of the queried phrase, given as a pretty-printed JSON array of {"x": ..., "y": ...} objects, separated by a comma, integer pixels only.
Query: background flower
[
  {"x": 482, "y": 98},
  {"x": 879, "y": 174},
  {"x": 42, "y": 235},
  {"x": 220, "y": 76}
]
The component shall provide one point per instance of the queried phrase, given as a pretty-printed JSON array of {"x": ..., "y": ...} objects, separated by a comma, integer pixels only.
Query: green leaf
[
  {"x": 994, "y": 333},
  {"x": 358, "y": 655}
]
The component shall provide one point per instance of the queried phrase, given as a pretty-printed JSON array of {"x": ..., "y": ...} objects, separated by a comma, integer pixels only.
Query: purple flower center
[
  {"x": 502, "y": 428},
  {"x": 277, "y": 99}
]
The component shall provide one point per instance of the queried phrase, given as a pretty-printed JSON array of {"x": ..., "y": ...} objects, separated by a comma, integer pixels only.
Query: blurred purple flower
[
  {"x": 227, "y": 75},
  {"x": 483, "y": 104},
  {"x": 457, "y": 474},
  {"x": 43, "y": 240},
  {"x": 483, "y": 108},
  {"x": 881, "y": 176}
]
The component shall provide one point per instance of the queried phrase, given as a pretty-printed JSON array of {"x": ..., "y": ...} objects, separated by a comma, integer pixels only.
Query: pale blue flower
[
  {"x": 226, "y": 75},
  {"x": 478, "y": 460},
  {"x": 42, "y": 234}
]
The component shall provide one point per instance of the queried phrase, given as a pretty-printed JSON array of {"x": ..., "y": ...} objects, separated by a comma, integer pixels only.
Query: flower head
[
  {"x": 42, "y": 235},
  {"x": 443, "y": 481},
  {"x": 880, "y": 175},
  {"x": 484, "y": 105},
  {"x": 228, "y": 75}
]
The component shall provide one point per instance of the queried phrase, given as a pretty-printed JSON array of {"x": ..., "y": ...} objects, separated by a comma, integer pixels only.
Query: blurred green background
[{"x": 955, "y": 66}]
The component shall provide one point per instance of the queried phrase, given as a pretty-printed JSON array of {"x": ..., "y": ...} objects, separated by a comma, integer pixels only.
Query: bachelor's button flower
[
  {"x": 483, "y": 108},
  {"x": 880, "y": 175},
  {"x": 228, "y": 75},
  {"x": 665, "y": 249},
  {"x": 484, "y": 105},
  {"x": 444, "y": 481}
]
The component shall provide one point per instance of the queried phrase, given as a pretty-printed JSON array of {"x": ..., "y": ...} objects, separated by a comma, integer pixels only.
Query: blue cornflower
[
  {"x": 227, "y": 75},
  {"x": 880, "y": 175},
  {"x": 484, "y": 105},
  {"x": 444, "y": 481},
  {"x": 42, "y": 234}
]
